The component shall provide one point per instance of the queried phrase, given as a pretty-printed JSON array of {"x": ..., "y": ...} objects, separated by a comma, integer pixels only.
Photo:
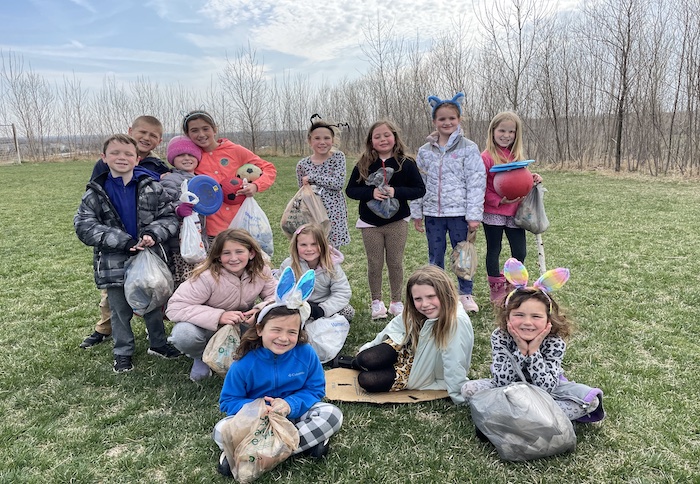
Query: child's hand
[
  {"x": 534, "y": 345},
  {"x": 250, "y": 315},
  {"x": 305, "y": 180},
  {"x": 231, "y": 317},
  {"x": 249, "y": 189},
  {"x": 278, "y": 405},
  {"x": 473, "y": 225},
  {"x": 418, "y": 224},
  {"x": 378, "y": 194},
  {"x": 523, "y": 345},
  {"x": 505, "y": 200},
  {"x": 185, "y": 209},
  {"x": 145, "y": 241},
  {"x": 536, "y": 178}
]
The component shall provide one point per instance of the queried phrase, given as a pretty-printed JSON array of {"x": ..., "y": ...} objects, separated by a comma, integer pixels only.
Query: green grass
[{"x": 630, "y": 244}]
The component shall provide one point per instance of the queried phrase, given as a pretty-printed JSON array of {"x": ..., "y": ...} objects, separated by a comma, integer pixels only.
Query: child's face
[
  {"x": 202, "y": 134},
  {"x": 446, "y": 120},
  {"x": 321, "y": 141},
  {"x": 383, "y": 141},
  {"x": 528, "y": 319},
  {"x": 308, "y": 249},
  {"x": 235, "y": 257},
  {"x": 504, "y": 134},
  {"x": 425, "y": 300},
  {"x": 280, "y": 334},
  {"x": 121, "y": 158},
  {"x": 185, "y": 162},
  {"x": 147, "y": 137}
]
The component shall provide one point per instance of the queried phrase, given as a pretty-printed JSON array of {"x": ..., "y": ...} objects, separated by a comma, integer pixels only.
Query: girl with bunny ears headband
[{"x": 292, "y": 294}]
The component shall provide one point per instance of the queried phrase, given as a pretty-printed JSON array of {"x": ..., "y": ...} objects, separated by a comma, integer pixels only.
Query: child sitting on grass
[{"x": 122, "y": 212}]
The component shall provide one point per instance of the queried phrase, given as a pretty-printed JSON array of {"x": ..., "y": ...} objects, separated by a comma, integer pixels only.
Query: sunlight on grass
[{"x": 630, "y": 244}]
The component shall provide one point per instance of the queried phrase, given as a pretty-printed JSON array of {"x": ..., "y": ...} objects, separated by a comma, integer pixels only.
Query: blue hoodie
[{"x": 296, "y": 376}]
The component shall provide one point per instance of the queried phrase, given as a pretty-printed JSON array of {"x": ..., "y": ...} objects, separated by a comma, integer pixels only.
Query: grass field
[{"x": 631, "y": 245}]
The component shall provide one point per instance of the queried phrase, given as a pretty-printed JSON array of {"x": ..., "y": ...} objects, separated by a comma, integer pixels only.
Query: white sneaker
[
  {"x": 468, "y": 303},
  {"x": 378, "y": 309},
  {"x": 396, "y": 308}
]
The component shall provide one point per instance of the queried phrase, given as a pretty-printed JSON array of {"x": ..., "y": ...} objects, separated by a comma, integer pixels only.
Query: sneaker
[
  {"x": 224, "y": 468},
  {"x": 378, "y": 309},
  {"x": 122, "y": 364},
  {"x": 94, "y": 339},
  {"x": 320, "y": 450},
  {"x": 468, "y": 303},
  {"x": 396, "y": 308},
  {"x": 166, "y": 351}
]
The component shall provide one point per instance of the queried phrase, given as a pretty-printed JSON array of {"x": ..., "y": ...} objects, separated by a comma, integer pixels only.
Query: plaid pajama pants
[{"x": 319, "y": 423}]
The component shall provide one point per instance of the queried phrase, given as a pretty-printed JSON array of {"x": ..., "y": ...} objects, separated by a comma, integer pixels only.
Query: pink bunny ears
[{"x": 516, "y": 274}]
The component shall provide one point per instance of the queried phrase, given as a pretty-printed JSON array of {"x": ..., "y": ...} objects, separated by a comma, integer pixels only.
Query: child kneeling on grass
[
  {"x": 275, "y": 362},
  {"x": 122, "y": 212},
  {"x": 531, "y": 331},
  {"x": 427, "y": 347}
]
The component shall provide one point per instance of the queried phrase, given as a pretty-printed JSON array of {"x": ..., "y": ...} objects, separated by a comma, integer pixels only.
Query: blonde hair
[
  {"x": 561, "y": 325},
  {"x": 516, "y": 148},
  {"x": 213, "y": 261},
  {"x": 446, "y": 292},
  {"x": 370, "y": 155},
  {"x": 319, "y": 236}
]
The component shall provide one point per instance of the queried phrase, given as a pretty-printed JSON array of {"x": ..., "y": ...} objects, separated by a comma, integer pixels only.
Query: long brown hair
[
  {"x": 516, "y": 148},
  {"x": 251, "y": 340},
  {"x": 561, "y": 325},
  {"x": 213, "y": 261},
  {"x": 319, "y": 236},
  {"x": 370, "y": 155},
  {"x": 446, "y": 292}
]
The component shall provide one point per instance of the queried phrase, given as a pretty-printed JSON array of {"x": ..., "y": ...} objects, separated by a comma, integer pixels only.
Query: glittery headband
[{"x": 516, "y": 274}]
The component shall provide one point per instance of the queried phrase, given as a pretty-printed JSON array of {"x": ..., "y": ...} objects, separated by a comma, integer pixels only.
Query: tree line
[{"x": 612, "y": 83}]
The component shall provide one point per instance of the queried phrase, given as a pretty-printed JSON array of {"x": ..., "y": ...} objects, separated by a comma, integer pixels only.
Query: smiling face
[
  {"x": 235, "y": 257},
  {"x": 147, "y": 137},
  {"x": 308, "y": 249},
  {"x": 281, "y": 333},
  {"x": 383, "y": 141},
  {"x": 203, "y": 134},
  {"x": 321, "y": 141},
  {"x": 504, "y": 134},
  {"x": 121, "y": 158},
  {"x": 425, "y": 300},
  {"x": 529, "y": 319},
  {"x": 446, "y": 120},
  {"x": 185, "y": 162}
]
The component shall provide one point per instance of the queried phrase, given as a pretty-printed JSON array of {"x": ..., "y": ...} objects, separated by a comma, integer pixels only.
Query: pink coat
[
  {"x": 492, "y": 200},
  {"x": 203, "y": 300}
]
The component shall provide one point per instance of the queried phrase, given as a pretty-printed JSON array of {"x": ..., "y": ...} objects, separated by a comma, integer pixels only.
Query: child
[
  {"x": 326, "y": 170},
  {"x": 221, "y": 159},
  {"x": 428, "y": 347},
  {"x": 184, "y": 155},
  {"x": 148, "y": 133},
  {"x": 384, "y": 238},
  {"x": 504, "y": 144},
  {"x": 455, "y": 181},
  {"x": 221, "y": 290},
  {"x": 310, "y": 250},
  {"x": 532, "y": 330},
  {"x": 124, "y": 211},
  {"x": 275, "y": 362}
]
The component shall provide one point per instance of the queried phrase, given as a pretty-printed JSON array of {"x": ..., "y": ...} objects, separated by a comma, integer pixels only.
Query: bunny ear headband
[
  {"x": 516, "y": 274},
  {"x": 292, "y": 294},
  {"x": 435, "y": 102},
  {"x": 319, "y": 118}
]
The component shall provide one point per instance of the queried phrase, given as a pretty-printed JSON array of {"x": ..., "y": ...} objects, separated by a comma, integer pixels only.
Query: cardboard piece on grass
[{"x": 341, "y": 384}]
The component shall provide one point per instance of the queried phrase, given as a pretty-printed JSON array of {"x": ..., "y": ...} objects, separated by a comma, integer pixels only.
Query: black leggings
[
  {"x": 376, "y": 366},
  {"x": 494, "y": 238}
]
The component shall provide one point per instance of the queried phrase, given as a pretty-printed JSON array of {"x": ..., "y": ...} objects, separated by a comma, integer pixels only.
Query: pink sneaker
[
  {"x": 468, "y": 303},
  {"x": 395, "y": 308},
  {"x": 378, "y": 309}
]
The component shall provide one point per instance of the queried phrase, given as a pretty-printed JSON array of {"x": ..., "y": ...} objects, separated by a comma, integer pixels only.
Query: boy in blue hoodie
[
  {"x": 148, "y": 133},
  {"x": 123, "y": 211}
]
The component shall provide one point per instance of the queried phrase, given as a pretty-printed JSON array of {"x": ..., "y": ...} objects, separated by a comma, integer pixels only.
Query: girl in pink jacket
[{"x": 222, "y": 290}]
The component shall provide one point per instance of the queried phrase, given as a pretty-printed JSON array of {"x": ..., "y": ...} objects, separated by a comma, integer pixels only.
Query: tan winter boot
[{"x": 498, "y": 288}]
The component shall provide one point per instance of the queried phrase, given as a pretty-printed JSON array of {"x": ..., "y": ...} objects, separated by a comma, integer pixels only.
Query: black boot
[{"x": 343, "y": 361}]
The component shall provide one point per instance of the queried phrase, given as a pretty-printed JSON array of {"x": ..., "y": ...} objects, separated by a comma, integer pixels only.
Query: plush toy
[{"x": 249, "y": 171}]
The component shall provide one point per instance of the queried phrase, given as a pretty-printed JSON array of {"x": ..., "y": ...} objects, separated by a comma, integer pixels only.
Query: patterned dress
[{"x": 329, "y": 177}]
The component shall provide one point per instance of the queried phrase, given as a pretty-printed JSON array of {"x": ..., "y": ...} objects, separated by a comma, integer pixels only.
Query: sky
[{"x": 188, "y": 41}]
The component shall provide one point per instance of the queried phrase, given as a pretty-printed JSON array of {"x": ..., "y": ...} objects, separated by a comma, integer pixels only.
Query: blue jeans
[{"x": 436, "y": 230}]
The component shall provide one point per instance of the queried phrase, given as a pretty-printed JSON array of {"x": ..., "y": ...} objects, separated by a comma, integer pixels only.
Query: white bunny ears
[
  {"x": 435, "y": 102},
  {"x": 292, "y": 294}
]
